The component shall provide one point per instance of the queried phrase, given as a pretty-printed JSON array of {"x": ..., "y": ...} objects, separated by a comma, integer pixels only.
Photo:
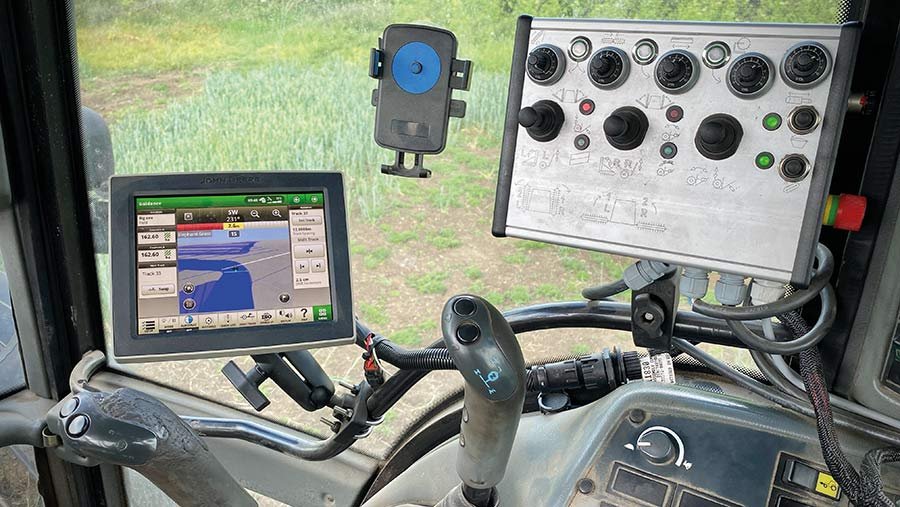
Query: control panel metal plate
[{"x": 725, "y": 215}]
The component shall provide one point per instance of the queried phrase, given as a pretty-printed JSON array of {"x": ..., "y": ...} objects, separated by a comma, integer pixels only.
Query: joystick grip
[
  {"x": 133, "y": 429},
  {"x": 487, "y": 354}
]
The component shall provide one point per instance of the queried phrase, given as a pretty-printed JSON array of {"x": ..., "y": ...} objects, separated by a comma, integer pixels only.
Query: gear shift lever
[{"x": 488, "y": 356}]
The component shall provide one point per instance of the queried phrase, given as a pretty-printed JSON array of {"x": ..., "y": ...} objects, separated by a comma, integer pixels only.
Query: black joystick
[
  {"x": 132, "y": 429},
  {"x": 487, "y": 354},
  {"x": 719, "y": 136},
  {"x": 626, "y": 127},
  {"x": 543, "y": 120}
]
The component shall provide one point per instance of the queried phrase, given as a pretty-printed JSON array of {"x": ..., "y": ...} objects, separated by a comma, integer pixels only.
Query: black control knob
[
  {"x": 625, "y": 128},
  {"x": 608, "y": 68},
  {"x": 803, "y": 120},
  {"x": 545, "y": 64},
  {"x": 719, "y": 136},
  {"x": 805, "y": 64},
  {"x": 749, "y": 75},
  {"x": 794, "y": 168},
  {"x": 676, "y": 71},
  {"x": 658, "y": 447},
  {"x": 543, "y": 120}
]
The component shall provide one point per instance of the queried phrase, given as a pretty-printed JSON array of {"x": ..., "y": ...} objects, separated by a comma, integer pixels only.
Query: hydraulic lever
[
  {"x": 132, "y": 429},
  {"x": 487, "y": 354}
]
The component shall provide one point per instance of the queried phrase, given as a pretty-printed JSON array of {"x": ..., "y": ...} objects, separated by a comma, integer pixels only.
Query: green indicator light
[
  {"x": 772, "y": 121},
  {"x": 765, "y": 160}
]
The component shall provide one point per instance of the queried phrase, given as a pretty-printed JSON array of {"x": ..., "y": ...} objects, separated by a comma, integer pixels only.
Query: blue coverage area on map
[{"x": 221, "y": 254}]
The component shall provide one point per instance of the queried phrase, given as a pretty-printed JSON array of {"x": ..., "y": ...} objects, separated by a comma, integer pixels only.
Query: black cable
[
  {"x": 782, "y": 306},
  {"x": 863, "y": 490},
  {"x": 573, "y": 314},
  {"x": 432, "y": 358},
  {"x": 797, "y": 345},
  {"x": 850, "y": 423},
  {"x": 605, "y": 291}
]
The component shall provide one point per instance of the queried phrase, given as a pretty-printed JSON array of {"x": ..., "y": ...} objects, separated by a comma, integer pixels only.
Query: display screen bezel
[{"x": 129, "y": 346}]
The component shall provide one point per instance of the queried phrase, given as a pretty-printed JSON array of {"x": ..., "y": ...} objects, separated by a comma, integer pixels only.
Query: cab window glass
[
  {"x": 18, "y": 474},
  {"x": 189, "y": 85}
]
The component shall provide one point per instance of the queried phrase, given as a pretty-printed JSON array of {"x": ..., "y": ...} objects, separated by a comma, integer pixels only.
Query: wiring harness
[{"x": 864, "y": 488}]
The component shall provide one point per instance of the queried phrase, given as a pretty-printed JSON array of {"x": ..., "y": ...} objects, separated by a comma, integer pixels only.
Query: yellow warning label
[
  {"x": 233, "y": 225},
  {"x": 827, "y": 486}
]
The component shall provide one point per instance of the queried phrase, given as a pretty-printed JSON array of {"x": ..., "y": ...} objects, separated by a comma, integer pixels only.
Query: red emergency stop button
[{"x": 844, "y": 212}]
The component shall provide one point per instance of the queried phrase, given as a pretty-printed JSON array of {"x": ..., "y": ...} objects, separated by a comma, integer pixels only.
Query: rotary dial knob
[
  {"x": 545, "y": 64},
  {"x": 608, "y": 68},
  {"x": 805, "y": 64},
  {"x": 676, "y": 71},
  {"x": 749, "y": 75}
]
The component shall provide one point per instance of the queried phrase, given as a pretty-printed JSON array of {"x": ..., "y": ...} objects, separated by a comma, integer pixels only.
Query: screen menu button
[
  {"x": 267, "y": 317},
  {"x": 230, "y": 319},
  {"x": 208, "y": 321},
  {"x": 148, "y": 326},
  {"x": 168, "y": 323},
  {"x": 247, "y": 318}
]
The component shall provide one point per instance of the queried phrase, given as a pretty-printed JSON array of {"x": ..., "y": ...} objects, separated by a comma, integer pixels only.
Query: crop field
[{"x": 191, "y": 85}]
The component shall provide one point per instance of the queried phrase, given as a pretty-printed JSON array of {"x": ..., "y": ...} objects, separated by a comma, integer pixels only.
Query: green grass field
[{"x": 191, "y": 85}]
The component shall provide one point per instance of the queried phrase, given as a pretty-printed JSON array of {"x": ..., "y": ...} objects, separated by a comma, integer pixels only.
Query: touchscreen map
[{"x": 210, "y": 262}]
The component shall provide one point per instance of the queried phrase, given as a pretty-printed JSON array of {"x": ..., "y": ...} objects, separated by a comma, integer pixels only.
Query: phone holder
[{"x": 417, "y": 70}]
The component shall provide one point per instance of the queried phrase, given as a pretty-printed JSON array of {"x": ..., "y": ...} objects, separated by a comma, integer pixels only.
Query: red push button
[
  {"x": 586, "y": 106},
  {"x": 844, "y": 212},
  {"x": 674, "y": 114}
]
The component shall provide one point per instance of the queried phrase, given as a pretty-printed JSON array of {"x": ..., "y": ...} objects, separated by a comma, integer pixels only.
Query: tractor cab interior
[{"x": 465, "y": 254}]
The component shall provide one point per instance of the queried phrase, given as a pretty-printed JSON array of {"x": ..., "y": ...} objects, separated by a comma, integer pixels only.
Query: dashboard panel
[{"x": 717, "y": 450}]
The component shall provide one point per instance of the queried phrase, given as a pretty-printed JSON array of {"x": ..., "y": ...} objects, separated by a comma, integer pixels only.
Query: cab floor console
[
  {"x": 708, "y": 145},
  {"x": 208, "y": 265}
]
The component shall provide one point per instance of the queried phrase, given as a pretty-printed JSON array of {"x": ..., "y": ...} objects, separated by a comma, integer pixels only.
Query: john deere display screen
[
  {"x": 210, "y": 262},
  {"x": 219, "y": 265}
]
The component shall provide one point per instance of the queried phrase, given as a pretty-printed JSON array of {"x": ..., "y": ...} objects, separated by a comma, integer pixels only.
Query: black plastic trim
[
  {"x": 870, "y": 150},
  {"x": 511, "y": 127},
  {"x": 823, "y": 167}
]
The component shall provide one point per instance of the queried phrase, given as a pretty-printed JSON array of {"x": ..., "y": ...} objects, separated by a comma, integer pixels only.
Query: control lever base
[{"x": 457, "y": 498}]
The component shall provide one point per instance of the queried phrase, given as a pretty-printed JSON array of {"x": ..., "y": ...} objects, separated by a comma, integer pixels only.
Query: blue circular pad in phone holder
[{"x": 416, "y": 67}]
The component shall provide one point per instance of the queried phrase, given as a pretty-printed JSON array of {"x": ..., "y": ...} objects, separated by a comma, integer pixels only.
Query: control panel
[{"x": 700, "y": 144}]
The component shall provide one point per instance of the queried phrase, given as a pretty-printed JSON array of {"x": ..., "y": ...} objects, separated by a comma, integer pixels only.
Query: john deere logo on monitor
[{"x": 229, "y": 180}]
